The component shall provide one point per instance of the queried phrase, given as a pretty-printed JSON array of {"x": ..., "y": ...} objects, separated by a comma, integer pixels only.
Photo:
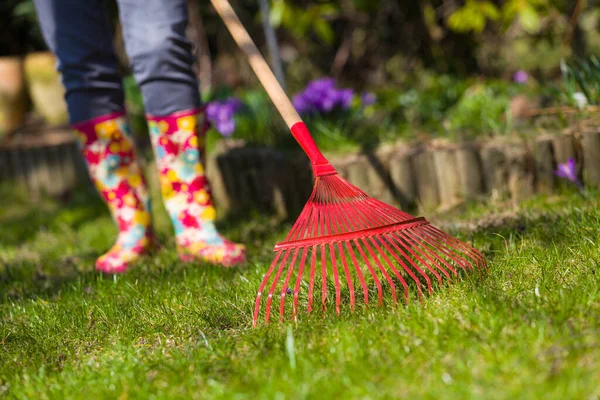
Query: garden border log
[
  {"x": 545, "y": 181},
  {"x": 468, "y": 165},
  {"x": 520, "y": 173},
  {"x": 564, "y": 148},
  {"x": 446, "y": 170},
  {"x": 403, "y": 176},
  {"x": 591, "y": 156},
  {"x": 426, "y": 179},
  {"x": 495, "y": 170}
]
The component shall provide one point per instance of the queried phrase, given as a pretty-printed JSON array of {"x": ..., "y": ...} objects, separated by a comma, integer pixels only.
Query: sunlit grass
[{"x": 528, "y": 328}]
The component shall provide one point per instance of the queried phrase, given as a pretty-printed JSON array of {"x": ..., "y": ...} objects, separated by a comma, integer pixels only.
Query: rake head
[{"x": 344, "y": 233}]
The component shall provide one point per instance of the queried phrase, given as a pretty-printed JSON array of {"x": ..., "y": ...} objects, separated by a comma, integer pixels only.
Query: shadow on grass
[
  {"x": 26, "y": 280},
  {"x": 30, "y": 277},
  {"x": 20, "y": 226}
]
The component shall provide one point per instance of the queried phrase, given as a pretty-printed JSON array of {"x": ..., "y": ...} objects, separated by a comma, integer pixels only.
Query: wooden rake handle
[{"x": 278, "y": 96}]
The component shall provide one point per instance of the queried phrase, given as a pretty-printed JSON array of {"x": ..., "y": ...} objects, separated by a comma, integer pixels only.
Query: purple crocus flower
[
  {"x": 220, "y": 114},
  {"x": 235, "y": 104},
  {"x": 322, "y": 95},
  {"x": 225, "y": 128},
  {"x": 368, "y": 98},
  {"x": 345, "y": 97},
  {"x": 326, "y": 103},
  {"x": 321, "y": 85},
  {"x": 212, "y": 109},
  {"x": 301, "y": 104},
  {"x": 225, "y": 112},
  {"x": 521, "y": 77},
  {"x": 568, "y": 171}
]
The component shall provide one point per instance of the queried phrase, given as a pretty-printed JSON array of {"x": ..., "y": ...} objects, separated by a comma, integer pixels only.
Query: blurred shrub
[
  {"x": 481, "y": 110},
  {"x": 581, "y": 79}
]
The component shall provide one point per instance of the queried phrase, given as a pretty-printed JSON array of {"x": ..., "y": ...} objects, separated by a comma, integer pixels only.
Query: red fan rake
[
  {"x": 359, "y": 241},
  {"x": 368, "y": 247}
]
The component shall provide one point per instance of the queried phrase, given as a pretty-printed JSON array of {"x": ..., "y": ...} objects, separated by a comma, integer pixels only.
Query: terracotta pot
[
  {"x": 45, "y": 88},
  {"x": 13, "y": 96}
]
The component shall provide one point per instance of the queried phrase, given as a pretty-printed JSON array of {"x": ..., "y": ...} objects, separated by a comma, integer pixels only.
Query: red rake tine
[
  {"x": 285, "y": 284},
  {"x": 274, "y": 285},
  {"x": 402, "y": 235},
  {"x": 339, "y": 212},
  {"x": 381, "y": 268},
  {"x": 428, "y": 250},
  {"x": 342, "y": 210},
  {"x": 347, "y": 274},
  {"x": 406, "y": 268},
  {"x": 396, "y": 242},
  {"x": 395, "y": 271},
  {"x": 298, "y": 282},
  {"x": 338, "y": 221},
  {"x": 466, "y": 249},
  {"x": 262, "y": 287},
  {"x": 469, "y": 250},
  {"x": 362, "y": 279},
  {"x": 374, "y": 275},
  {"x": 336, "y": 279},
  {"x": 433, "y": 243}
]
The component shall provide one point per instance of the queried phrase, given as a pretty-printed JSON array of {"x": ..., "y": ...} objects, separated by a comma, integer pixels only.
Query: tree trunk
[
  {"x": 202, "y": 49},
  {"x": 272, "y": 45}
]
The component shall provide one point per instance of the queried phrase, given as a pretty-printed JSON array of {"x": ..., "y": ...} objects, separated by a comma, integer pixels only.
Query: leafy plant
[
  {"x": 581, "y": 80},
  {"x": 481, "y": 109},
  {"x": 475, "y": 14},
  {"x": 302, "y": 20}
]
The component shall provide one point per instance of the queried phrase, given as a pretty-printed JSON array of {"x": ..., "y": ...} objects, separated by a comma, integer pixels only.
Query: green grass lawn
[{"x": 528, "y": 328}]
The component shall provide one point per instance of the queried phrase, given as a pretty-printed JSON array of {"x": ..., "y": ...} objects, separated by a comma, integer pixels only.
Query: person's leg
[
  {"x": 162, "y": 61},
  {"x": 78, "y": 33}
]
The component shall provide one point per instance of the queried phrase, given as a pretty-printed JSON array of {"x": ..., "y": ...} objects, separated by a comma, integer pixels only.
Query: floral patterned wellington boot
[
  {"x": 178, "y": 142},
  {"x": 109, "y": 153}
]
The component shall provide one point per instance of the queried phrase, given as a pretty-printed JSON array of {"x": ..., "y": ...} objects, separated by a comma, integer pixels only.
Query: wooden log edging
[
  {"x": 468, "y": 165},
  {"x": 590, "y": 144},
  {"x": 425, "y": 175},
  {"x": 403, "y": 178},
  {"x": 48, "y": 163},
  {"x": 544, "y": 165},
  {"x": 428, "y": 176},
  {"x": 495, "y": 170}
]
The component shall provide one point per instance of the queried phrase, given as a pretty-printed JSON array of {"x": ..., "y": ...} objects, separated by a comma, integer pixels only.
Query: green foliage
[
  {"x": 133, "y": 95},
  {"x": 438, "y": 104},
  {"x": 483, "y": 109},
  {"x": 259, "y": 123},
  {"x": 528, "y": 12},
  {"x": 302, "y": 20},
  {"x": 582, "y": 76},
  {"x": 135, "y": 106},
  {"x": 426, "y": 103},
  {"x": 473, "y": 16},
  {"x": 25, "y": 9}
]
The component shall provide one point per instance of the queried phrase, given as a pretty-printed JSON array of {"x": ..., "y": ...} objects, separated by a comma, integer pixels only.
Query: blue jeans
[{"x": 79, "y": 33}]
